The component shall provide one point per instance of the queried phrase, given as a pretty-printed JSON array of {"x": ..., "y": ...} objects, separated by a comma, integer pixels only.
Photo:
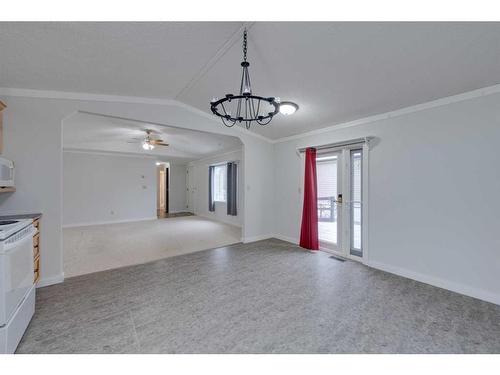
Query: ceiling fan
[{"x": 148, "y": 142}]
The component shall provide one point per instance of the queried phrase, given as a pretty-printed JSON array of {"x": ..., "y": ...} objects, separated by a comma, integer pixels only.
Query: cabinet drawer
[
  {"x": 36, "y": 276},
  {"x": 36, "y": 251},
  {"x": 36, "y": 240},
  {"x": 37, "y": 264}
]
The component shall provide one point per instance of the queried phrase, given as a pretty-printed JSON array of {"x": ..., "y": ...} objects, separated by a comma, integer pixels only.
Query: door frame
[
  {"x": 167, "y": 190},
  {"x": 345, "y": 191}
]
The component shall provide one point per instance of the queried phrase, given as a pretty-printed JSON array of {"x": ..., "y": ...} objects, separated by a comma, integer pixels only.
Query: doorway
[
  {"x": 163, "y": 183},
  {"x": 340, "y": 201}
]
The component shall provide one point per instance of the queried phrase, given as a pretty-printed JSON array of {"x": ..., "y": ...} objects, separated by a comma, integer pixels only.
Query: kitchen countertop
[{"x": 21, "y": 216}]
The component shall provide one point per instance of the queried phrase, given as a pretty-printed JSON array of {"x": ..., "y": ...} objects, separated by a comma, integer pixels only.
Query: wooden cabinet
[{"x": 36, "y": 250}]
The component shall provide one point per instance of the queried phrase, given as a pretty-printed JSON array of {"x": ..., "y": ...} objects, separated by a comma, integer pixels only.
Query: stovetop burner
[{"x": 8, "y": 222}]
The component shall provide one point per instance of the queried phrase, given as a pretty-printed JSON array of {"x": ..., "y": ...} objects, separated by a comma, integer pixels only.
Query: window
[
  {"x": 356, "y": 202},
  {"x": 219, "y": 183}
]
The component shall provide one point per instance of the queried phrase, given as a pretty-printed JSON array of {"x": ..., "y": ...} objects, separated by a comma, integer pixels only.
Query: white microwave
[{"x": 6, "y": 173}]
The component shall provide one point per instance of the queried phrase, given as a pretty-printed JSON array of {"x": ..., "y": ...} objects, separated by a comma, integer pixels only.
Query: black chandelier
[{"x": 245, "y": 107}]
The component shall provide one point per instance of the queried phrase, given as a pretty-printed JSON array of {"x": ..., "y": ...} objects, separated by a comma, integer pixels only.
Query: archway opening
[{"x": 126, "y": 203}]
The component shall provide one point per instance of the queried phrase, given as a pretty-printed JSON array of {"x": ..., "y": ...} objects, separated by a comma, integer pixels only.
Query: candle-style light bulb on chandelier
[{"x": 245, "y": 107}]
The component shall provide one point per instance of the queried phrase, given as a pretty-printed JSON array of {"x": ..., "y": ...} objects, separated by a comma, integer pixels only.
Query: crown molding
[
  {"x": 66, "y": 95},
  {"x": 489, "y": 90},
  {"x": 82, "y": 96},
  {"x": 76, "y": 150}
]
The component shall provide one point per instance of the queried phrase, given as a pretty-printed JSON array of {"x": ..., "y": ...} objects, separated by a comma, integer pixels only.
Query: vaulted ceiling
[{"x": 336, "y": 72}]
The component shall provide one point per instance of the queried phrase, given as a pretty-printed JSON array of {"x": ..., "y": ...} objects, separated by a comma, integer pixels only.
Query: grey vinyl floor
[{"x": 263, "y": 297}]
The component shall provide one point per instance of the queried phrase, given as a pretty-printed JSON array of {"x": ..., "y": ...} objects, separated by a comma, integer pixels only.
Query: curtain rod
[{"x": 350, "y": 142}]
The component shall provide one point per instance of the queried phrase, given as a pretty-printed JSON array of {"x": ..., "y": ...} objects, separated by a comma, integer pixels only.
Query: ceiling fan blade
[
  {"x": 133, "y": 142},
  {"x": 161, "y": 144},
  {"x": 150, "y": 131}
]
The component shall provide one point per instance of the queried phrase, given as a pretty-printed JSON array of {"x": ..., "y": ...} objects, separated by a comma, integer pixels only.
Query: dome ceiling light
[{"x": 288, "y": 108}]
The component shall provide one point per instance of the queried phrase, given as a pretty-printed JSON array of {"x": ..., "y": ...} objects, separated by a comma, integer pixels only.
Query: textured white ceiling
[
  {"x": 153, "y": 59},
  {"x": 336, "y": 72},
  {"x": 92, "y": 132}
]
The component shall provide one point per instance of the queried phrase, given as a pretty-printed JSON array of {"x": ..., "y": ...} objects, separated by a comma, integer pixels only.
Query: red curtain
[{"x": 309, "y": 229}]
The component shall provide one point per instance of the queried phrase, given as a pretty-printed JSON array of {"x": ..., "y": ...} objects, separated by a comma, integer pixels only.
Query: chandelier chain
[{"x": 245, "y": 45}]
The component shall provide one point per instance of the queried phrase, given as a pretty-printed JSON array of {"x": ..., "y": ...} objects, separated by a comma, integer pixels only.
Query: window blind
[{"x": 326, "y": 173}]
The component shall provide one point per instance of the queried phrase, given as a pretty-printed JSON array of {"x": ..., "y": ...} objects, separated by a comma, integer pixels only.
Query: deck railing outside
[{"x": 327, "y": 209}]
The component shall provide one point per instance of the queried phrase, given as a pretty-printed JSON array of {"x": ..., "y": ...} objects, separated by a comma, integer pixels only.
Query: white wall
[
  {"x": 177, "y": 191},
  {"x": 433, "y": 208},
  {"x": 199, "y": 188},
  {"x": 101, "y": 188},
  {"x": 433, "y": 194},
  {"x": 32, "y": 138}
]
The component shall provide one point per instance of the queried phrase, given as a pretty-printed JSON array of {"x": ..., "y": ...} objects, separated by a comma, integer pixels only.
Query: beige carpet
[{"x": 100, "y": 247}]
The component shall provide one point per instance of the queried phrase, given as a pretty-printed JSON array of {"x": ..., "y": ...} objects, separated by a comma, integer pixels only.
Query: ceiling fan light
[
  {"x": 288, "y": 108},
  {"x": 147, "y": 146}
]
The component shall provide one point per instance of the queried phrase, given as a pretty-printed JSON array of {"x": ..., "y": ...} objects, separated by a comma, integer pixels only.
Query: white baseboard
[
  {"x": 46, "y": 281},
  {"x": 438, "y": 282},
  {"x": 431, "y": 280},
  {"x": 295, "y": 241},
  {"x": 86, "y": 224},
  {"x": 256, "y": 238}
]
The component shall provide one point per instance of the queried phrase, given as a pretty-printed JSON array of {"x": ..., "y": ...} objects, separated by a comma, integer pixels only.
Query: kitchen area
[{"x": 19, "y": 260}]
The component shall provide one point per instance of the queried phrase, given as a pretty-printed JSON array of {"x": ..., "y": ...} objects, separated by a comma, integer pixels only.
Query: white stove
[
  {"x": 10, "y": 227},
  {"x": 17, "y": 290}
]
